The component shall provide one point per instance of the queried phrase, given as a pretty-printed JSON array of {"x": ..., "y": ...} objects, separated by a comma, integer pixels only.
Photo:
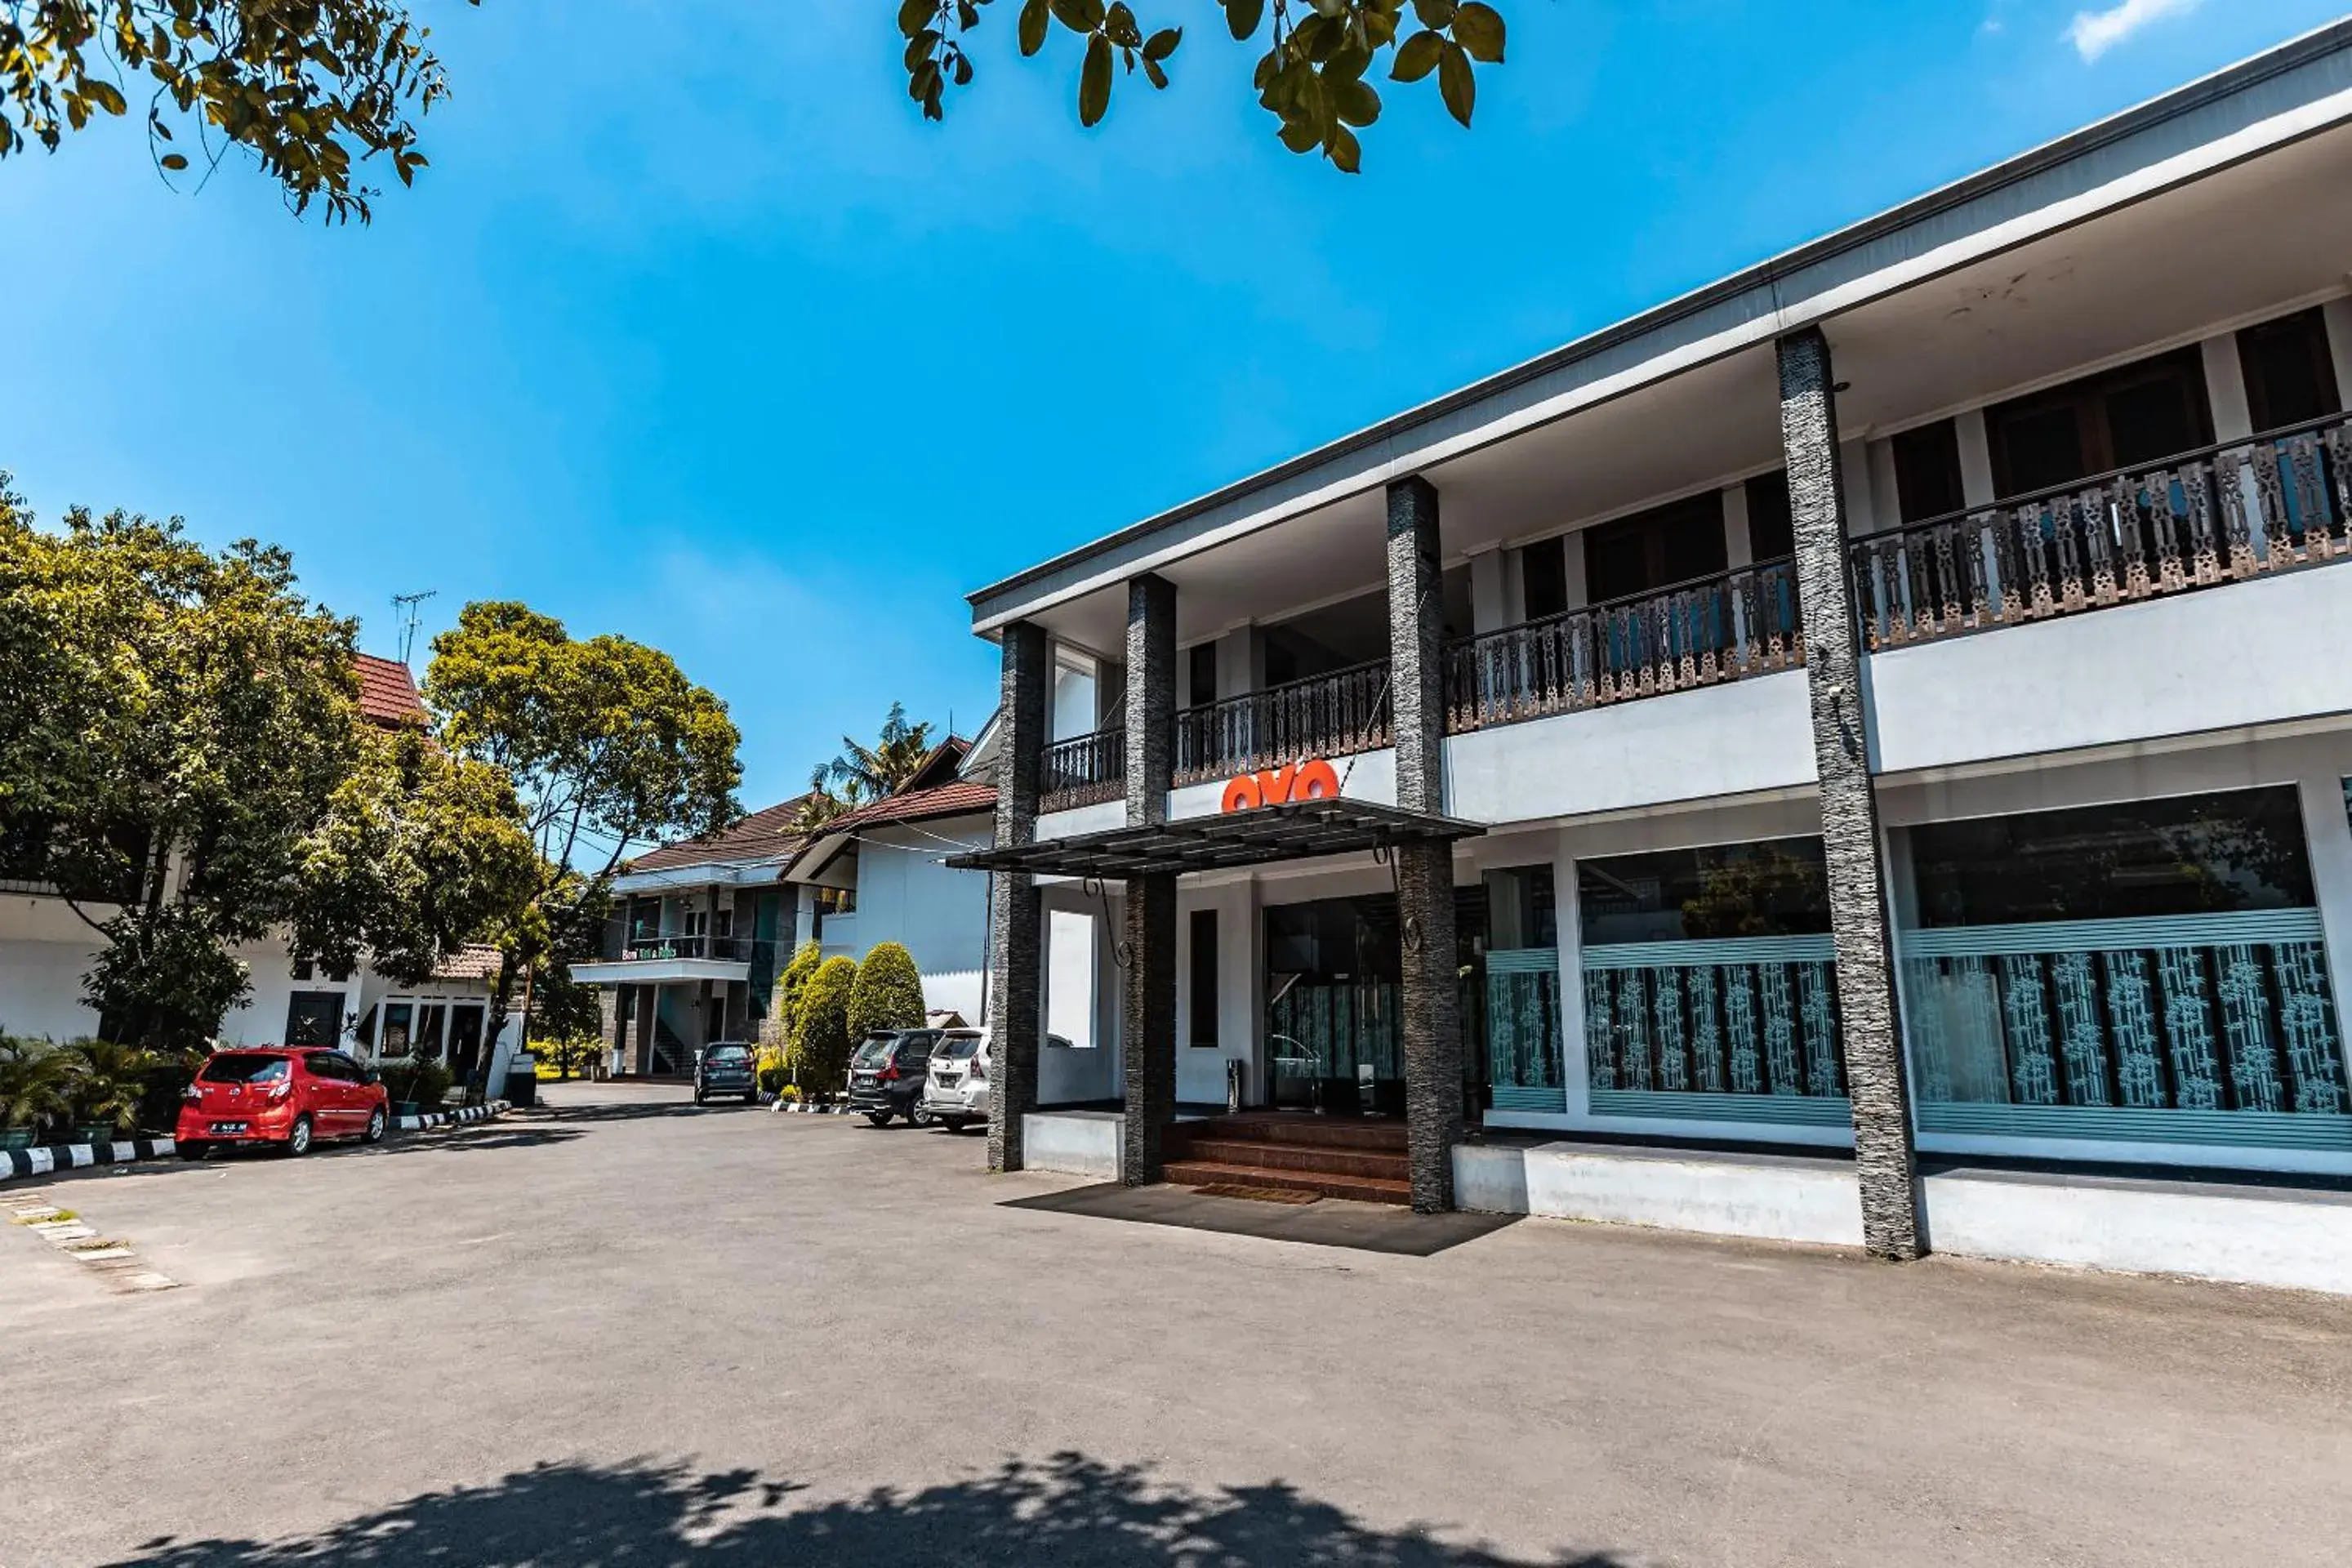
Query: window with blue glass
[
  {"x": 2150, "y": 970},
  {"x": 1709, "y": 983}
]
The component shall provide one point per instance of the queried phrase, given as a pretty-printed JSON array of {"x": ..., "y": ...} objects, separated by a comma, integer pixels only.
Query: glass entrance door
[{"x": 1334, "y": 1040}]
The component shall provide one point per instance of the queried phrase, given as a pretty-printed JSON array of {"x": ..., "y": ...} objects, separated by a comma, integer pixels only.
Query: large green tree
[
  {"x": 313, "y": 92},
  {"x": 182, "y": 758},
  {"x": 611, "y": 750}
]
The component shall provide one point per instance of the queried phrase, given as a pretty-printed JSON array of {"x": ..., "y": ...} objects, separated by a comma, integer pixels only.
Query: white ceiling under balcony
[{"x": 2250, "y": 240}]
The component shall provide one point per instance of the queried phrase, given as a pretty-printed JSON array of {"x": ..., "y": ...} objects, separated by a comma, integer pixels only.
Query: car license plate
[{"x": 227, "y": 1129}]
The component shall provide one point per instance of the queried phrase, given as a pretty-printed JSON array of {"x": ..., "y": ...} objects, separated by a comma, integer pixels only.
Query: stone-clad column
[
  {"x": 1148, "y": 1025},
  {"x": 1430, "y": 1003},
  {"x": 1016, "y": 979},
  {"x": 1869, "y": 1020}
]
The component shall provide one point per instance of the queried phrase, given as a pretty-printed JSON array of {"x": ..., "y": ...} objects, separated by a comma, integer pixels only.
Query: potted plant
[
  {"x": 110, "y": 1085},
  {"x": 416, "y": 1084},
  {"x": 36, "y": 1087}
]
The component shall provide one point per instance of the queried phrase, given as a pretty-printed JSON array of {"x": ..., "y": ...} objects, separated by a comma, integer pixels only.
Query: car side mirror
[{"x": 371, "y": 1075}]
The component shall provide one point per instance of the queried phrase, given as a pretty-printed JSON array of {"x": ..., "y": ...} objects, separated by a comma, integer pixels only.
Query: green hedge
[{"x": 888, "y": 993}]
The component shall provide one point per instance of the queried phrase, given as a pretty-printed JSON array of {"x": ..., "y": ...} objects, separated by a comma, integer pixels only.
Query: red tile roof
[
  {"x": 759, "y": 836},
  {"x": 960, "y": 798},
  {"x": 475, "y": 961},
  {"x": 388, "y": 692}
]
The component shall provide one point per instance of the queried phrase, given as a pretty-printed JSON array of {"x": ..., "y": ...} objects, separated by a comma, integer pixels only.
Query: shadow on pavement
[
  {"x": 1364, "y": 1228},
  {"x": 640, "y": 1514}
]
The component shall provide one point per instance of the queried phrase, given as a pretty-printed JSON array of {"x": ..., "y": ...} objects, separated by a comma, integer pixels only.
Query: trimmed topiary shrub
[
  {"x": 888, "y": 993},
  {"x": 790, "y": 985},
  {"x": 821, "y": 1037}
]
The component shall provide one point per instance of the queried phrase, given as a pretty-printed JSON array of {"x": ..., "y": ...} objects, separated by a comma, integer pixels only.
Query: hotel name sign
[{"x": 1314, "y": 779}]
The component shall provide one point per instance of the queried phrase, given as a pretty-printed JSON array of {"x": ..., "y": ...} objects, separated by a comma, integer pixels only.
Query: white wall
[
  {"x": 2224, "y": 658},
  {"x": 939, "y": 916},
  {"x": 1081, "y": 999}
]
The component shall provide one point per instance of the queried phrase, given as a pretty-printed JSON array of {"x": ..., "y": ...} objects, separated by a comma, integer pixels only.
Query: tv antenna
[{"x": 405, "y": 605}]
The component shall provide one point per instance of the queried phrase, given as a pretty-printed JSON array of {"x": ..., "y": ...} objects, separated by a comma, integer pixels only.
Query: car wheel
[
  {"x": 375, "y": 1133},
  {"x": 918, "y": 1117},
  {"x": 752, "y": 1097},
  {"x": 698, "y": 1096},
  {"x": 954, "y": 1123},
  {"x": 297, "y": 1138},
  {"x": 192, "y": 1150},
  {"x": 879, "y": 1118}
]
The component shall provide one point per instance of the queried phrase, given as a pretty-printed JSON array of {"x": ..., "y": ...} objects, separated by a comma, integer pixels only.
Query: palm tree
[
  {"x": 37, "y": 1083},
  {"x": 884, "y": 768}
]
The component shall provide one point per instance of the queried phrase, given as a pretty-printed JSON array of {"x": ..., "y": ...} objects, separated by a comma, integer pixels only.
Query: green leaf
[
  {"x": 1243, "y": 16},
  {"x": 1345, "y": 153},
  {"x": 1479, "y": 30},
  {"x": 1094, "y": 81},
  {"x": 1121, "y": 27},
  {"x": 175, "y": 162},
  {"x": 1417, "y": 56},
  {"x": 1438, "y": 14},
  {"x": 1034, "y": 17},
  {"x": 1162, "y": 44},
  {"x": 1454, "y": 83},
  {"x": 914, "y": 16},
  {"x": 1154, "y": 74},
  {"x": 1354, "y": 101}
]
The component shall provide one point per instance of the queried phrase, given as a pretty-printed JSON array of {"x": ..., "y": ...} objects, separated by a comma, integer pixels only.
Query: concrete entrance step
[
  {"x": 1327, "y": 1159},
  {"x": 1297, "y": 1130},
  {"x": 1362, "y": 1189}
]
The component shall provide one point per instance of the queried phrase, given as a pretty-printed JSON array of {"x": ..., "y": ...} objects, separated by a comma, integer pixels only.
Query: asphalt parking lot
[{"x": 640, "y": 1332}]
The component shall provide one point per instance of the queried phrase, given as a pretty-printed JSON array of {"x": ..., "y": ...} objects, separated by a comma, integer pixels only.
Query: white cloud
[{"x": 2094, "y": 33}]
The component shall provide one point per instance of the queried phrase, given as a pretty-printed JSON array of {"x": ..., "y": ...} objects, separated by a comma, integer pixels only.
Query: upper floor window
[
  {"x": 1928, "y": 471},
  {"x": 2290, "y": 375},
  {"x": 1655, "y": 549},
  {"x": 2116, "y": 419},
  {"x": 1200, "y": 676},
  {"x": 1771, "y": 523}
]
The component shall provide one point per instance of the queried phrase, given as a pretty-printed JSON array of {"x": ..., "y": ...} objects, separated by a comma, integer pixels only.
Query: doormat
[{"x": 1258, "y": 1194}]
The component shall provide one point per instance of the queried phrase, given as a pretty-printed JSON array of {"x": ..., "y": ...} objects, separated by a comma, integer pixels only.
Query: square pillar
[
  {"x": 1016, "y": 970},
  {"x": 1148, "y": 953},
  {"x": 648, "y": 1009},
  {"x": 1885, "y": 1160},
  {"x": 619, "y": 1004},
  {"x": 1429, "y": 1003}
]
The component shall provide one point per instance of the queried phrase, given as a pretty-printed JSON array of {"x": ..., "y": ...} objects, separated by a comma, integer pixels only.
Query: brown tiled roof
[
  {"x": 388, "y": 692},
  {"x": 475, "y": 961},
  {"x": 762, "y": 835},
  {"x": 960, "y": 798}
]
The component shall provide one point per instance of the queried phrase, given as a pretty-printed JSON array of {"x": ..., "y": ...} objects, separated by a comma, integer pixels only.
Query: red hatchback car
[{"x": 286, "y": 1096}]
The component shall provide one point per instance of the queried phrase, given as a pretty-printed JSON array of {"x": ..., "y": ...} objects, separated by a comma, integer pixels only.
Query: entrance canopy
[{"x": 1296, "y": 830}]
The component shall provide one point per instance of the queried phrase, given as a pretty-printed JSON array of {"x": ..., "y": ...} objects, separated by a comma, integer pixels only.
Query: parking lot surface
[{"x": 643, "y": 1332}]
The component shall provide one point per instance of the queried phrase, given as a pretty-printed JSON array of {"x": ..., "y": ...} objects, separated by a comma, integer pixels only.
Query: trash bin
[
  {"x": 522, "y": 1079},
  {"x": 1234, "y": 1085}
]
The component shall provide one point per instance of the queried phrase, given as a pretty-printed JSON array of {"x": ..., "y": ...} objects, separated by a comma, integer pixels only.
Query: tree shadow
[{"x": 644, "y": 1513}]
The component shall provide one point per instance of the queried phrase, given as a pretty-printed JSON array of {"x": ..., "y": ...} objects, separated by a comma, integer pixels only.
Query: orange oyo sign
[{"x": 1312, "y": 780}]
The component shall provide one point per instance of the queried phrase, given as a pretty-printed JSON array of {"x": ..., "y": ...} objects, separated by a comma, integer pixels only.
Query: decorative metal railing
[
  {"x": 1083, "y": 770},
  {"x": 1333, "y": 715},
  {"x": 1735, "y": 624},
  {"x": 1736, "y": 1029},
  {"x": 2221, "y": 514},
  {"x": 646, "y": 947},
  {"x": 2188, "y": 1028}
]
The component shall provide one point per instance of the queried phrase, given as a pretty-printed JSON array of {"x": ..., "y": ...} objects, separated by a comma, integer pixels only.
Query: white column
[
  {"x": 1883, "y": 483},
  {"x": 1572, "y": 570},
  {"x": 2225, "y": 388},
  {"x": 1240, "y": 662},
  {"x": 1573, "y": 1067},
  {"x": 1737, "y": 550},
  {"x": 1241, "y": 1011},
  {"x": 1976, "y": 457},
  {"x": 1489, "y": 609},
  {"x": 2337, "y": 315},
  {"x": 1861, "y": 513},
  {"x": 2328, "y": 834}
]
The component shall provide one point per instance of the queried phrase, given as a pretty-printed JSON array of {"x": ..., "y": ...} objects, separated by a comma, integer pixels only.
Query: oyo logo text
[{"x": 1312, "y": 780}]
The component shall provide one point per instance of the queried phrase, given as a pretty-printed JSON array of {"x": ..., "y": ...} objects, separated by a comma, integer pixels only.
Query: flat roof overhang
[{"x": 1299, "y": 830}]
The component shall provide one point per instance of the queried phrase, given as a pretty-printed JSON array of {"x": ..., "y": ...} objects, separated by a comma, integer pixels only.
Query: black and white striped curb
[
  {"x": 78, "y": 1156},
  {"x": 63, "y": 1230},
  {"x": 451, "y": 1117}
]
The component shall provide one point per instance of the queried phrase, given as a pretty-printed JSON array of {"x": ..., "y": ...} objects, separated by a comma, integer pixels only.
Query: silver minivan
[{"x": 955, "y": 1089}]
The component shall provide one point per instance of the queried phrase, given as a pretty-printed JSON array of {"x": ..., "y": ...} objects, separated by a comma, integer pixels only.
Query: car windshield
[
  {"x": 244, "y": 1067},
  {"x": 956, "y": 1047},
  {"x": 727, "y": 1056},
  {"x": 873, "y": 1050}
]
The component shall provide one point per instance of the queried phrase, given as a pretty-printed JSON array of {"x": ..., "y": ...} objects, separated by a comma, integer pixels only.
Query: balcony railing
[
  {"x": 649, "y": 947},
  {"x": 1083, "y": 770},
  {"x": 1333, "y": 715},
  {"x": 1725, "y": 627},
  {"x": 2221, "y": 514}
]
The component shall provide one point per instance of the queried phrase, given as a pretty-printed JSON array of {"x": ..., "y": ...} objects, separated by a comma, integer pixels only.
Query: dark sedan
[{"x": 727, "y": 1066}]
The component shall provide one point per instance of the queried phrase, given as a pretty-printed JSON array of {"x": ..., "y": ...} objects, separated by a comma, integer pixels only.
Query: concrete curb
[
  {"x": 51, "y": 1159},
  {"x": 56, "y": 1157},
  {"x": 452, "y": 1118}
]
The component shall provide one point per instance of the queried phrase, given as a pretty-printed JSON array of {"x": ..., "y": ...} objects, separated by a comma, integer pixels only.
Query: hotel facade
[{"x": 1857, "y": 753}]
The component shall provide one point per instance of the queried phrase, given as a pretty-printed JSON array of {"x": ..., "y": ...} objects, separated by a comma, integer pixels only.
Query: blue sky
[{"x": 703, "y": 336}]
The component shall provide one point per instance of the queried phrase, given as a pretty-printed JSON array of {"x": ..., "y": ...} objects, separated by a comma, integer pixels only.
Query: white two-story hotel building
[{"x": 1891, "y": 705}]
